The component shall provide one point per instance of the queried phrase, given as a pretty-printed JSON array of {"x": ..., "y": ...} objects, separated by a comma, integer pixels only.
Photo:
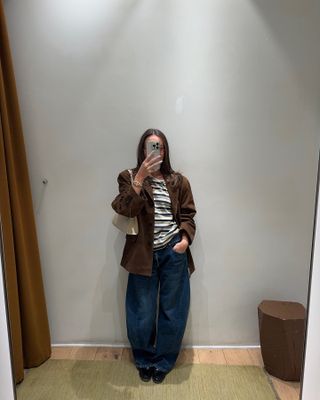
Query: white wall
[{"x": 234, "y": 85}]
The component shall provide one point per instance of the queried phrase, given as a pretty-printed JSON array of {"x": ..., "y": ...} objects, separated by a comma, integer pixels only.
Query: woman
[{"x": 158, "y": 259}]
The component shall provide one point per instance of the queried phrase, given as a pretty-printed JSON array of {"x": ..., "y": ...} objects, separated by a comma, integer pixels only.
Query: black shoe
[
  {"x": 158, "y": 376},
  {"x": 145, "y": 374}
]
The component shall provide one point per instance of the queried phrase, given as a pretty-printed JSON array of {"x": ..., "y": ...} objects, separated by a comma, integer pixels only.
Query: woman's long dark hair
[{"x": 165, "y": 167}]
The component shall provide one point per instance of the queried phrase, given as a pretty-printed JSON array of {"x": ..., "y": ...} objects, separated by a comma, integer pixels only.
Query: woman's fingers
[
  {"x": 154, "y": 163},
  {"x": 152, "y": 167},
  {"x": 149, "y": 156},
  {"x": 151, "y": 161}
]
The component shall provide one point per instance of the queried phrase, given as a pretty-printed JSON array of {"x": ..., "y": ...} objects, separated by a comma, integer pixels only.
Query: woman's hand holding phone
[{"x": 148, "y": 165}]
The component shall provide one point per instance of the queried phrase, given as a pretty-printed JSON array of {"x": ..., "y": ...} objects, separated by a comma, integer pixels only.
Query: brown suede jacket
[{"x": 138, "y": 249}]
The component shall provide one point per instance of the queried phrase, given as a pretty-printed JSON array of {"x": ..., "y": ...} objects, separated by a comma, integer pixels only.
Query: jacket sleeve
[
  {"x": 127, "y": 202},
  {"x": 187, "y": 210}
]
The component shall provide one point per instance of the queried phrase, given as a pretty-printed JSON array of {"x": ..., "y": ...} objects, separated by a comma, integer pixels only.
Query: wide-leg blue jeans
[{"x": 156, "y": 335}]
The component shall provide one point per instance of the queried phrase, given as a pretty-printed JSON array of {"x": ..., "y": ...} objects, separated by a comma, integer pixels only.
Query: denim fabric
[{"x": 156, "y": 339}]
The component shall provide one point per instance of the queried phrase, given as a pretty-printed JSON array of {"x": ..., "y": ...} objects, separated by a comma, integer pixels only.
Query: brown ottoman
[{"x": 281, "y": 327}]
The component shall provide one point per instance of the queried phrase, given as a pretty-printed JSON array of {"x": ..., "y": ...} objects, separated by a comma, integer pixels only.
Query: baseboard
[{"x": 126, "y": 345}]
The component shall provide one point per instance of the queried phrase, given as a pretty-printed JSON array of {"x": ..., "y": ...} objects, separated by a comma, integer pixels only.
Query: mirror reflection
[
  {"x": 156, "y": 255},
  {"x": 159, "y": 164}
]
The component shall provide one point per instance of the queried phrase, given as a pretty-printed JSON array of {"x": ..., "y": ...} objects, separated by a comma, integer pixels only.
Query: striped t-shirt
[{"x": 164, "y": 225}]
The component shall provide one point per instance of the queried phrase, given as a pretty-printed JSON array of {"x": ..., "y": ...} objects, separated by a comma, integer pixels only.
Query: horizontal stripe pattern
[{"x": 164, "y": 225}]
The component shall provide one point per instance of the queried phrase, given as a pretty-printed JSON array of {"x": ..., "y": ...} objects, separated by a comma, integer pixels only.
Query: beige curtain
[{"x": 26, "y": 301}]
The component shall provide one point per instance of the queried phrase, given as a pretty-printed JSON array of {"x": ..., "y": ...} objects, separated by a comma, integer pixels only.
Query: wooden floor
[{"x": 285, "y": 390}]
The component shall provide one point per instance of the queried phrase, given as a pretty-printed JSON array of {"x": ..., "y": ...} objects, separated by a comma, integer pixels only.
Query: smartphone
[{"x": 154, "y": 146}]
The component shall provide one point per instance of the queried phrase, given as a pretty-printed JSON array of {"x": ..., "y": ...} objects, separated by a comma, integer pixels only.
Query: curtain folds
[{"x": 29, "y": 325}]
